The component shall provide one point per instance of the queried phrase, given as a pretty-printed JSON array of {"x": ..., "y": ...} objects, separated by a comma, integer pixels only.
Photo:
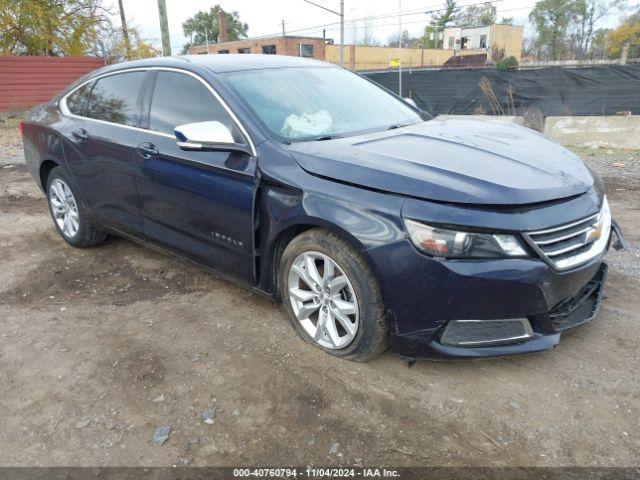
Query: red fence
[{"x": 27, "y": 81}]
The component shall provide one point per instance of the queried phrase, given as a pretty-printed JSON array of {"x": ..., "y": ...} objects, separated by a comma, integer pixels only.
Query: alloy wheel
[
  {"x": 323, "y": 300},
  {"x": 64, "y": 208}
]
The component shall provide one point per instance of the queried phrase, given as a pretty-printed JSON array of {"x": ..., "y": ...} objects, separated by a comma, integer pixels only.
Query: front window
[
  {"x": 179, "y": 99},
  {"x": 223, "y": 51},
  {"x": 244, "y": 50},
  {"x": 309, "y": 103},
  {"x": 269, "y": 49},
  {"x": 483, "y": 41}
]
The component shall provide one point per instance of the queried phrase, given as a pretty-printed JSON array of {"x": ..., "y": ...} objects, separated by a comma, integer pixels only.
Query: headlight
[{"x": 440, "y": 242}]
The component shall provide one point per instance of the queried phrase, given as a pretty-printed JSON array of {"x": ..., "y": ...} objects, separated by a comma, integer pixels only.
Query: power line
[
  {"x": 422, "y": 11},
  {"x": 370, "y": 26},
  {"x": 341, "y": 15},
  {"x": 322, "y": 7}
]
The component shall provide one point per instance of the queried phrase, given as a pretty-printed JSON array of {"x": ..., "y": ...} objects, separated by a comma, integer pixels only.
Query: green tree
[
  {"x": 551, "y": 19},
  {"x": 507, "y": 63},
  {"x": 628, "y": 33},
  {"x": 448, "y": 15},
  {"x": 50, "y": 27},
  {"x": 429, "y": 37},
  {"x": 112, "y": 46},
  {"x": 433, "y": 33},
  {"x": 203, "y": 27},
  {"x": 599, "y": 43}
]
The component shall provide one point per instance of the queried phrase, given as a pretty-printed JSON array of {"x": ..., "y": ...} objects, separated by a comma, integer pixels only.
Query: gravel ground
[
  {"x": 101, "y": 347},
  {"x": 620, "y": 170},
  {"x": 10, "y": 143}
]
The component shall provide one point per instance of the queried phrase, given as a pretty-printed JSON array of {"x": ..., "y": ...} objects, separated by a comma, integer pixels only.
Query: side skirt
[{"x": 153, "y": 246}]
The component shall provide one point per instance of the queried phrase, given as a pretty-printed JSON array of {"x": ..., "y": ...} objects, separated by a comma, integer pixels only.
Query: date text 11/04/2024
[{"x": 311, "y": 472}]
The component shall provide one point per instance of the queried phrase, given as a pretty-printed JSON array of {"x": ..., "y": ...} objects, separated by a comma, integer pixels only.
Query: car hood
[{"x": 453, "y": 160}]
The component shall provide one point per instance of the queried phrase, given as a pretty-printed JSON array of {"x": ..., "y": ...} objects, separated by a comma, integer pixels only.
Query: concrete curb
[
  {"x": 609, "y": 131},
  {"x": 586, "y": 131}
]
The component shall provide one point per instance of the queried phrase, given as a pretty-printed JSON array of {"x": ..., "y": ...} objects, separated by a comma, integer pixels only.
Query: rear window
[
  {"x": 115, "y": 98},
  {"x": 77, "y": 101}
]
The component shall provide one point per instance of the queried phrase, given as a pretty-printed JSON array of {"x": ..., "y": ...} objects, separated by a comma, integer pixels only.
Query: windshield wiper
[{"x": 327, "y": 137}]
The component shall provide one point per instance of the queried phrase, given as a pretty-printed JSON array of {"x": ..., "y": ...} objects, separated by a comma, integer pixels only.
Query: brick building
[{"x": 310, "y": 47}]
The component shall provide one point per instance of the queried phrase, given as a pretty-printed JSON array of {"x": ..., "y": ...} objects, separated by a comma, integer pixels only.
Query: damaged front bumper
[
  {"x": 500, "y": 307},
  {"x": 545, "y": 328}
]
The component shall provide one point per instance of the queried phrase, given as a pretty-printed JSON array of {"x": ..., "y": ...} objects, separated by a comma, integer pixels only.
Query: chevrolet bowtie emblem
[{"x": 594, "y": 234}]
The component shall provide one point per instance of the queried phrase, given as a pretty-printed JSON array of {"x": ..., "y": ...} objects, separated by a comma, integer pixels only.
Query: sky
[{"x": 265, "y": 16}]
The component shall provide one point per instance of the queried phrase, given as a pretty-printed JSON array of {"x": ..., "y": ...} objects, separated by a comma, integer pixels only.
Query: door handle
[
  {"x": 147, "y": 150},
  {"x": 80, "y": 134}
]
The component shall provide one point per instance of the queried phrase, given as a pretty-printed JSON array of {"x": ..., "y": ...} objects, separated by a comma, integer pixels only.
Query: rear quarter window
[{"x": 77, "y": 101}]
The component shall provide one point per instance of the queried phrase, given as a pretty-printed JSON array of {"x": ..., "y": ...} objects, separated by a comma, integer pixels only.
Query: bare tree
[
  {"x": 587, "y": 15},
  {"x": 362, "y": 33},
  {"x": 407, "y": 40}
]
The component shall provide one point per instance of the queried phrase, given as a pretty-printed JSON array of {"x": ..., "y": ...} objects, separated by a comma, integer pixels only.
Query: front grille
[
  {"x": 478, "y": 333},
  {"x": 581, "y": 307},
  {"x": 575, "y": 243}
]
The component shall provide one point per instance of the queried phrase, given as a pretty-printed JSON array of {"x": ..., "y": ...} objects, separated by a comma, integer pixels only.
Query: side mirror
[
  {"x": 211, "y": 135},
  {"x": 411, "y": 102}
]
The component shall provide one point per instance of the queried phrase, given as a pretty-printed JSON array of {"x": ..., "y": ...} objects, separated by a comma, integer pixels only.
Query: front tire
[
  {"x": 332, "y": 298},
  {"x": 68, "y": 214}
]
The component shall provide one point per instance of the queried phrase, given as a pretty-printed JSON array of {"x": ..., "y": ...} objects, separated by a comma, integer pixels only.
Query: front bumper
[
  {"x": 580, "y": 308},
  {"x": 442, "y": 291}
]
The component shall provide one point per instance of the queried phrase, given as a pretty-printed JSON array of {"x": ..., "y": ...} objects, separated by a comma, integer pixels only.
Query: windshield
[{"x": 298, "y": 104}]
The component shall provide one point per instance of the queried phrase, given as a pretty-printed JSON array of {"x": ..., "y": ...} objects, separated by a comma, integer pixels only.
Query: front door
[{"x": 197, "y": 202}]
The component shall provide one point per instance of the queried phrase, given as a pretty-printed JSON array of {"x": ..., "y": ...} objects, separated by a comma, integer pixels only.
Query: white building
[{"x": 485, "y": 39}]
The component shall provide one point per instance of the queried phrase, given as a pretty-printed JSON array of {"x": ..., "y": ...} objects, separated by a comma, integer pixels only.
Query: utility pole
[
  {"x": 342, "y": 33},
  {"x": 164, "y": 28},
  {"x": 341, "y": 15},
  {"x": 125, "y": 32},
  {"x": 435, "y": 30},
  {"x": 283, "y": 33},
  {"x": 400, "y": 48}
]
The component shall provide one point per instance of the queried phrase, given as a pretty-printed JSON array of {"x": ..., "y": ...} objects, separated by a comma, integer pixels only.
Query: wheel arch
[
  {"x": 45, "y": 170},
  {"x": 292, "y": 230}
]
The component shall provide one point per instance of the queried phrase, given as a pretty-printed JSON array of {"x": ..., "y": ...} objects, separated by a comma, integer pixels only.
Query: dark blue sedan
[{"x": 375, "y": 226}]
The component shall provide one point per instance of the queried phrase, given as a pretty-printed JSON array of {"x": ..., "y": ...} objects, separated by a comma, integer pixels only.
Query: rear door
[
  {"x": 101, "y": 144},
  {"x": 197, "y": 202}
]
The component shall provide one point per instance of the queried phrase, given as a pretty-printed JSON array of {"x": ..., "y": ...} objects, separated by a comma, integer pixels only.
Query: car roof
[{"x": 219, "y": 63}]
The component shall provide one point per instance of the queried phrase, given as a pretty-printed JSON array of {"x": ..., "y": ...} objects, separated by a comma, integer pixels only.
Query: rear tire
[
  {"x": 68, "y": 213},
  {"x": 320, "y": 272}
]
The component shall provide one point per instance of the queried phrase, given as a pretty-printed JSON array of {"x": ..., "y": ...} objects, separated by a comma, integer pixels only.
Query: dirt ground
[{"x": 98, "y": 347}]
